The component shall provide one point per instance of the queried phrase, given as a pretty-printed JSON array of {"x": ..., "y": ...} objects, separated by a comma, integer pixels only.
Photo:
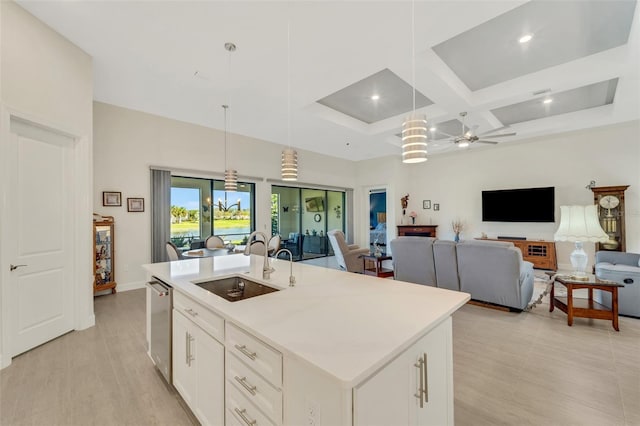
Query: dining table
[{"x": 205, "y": 252}]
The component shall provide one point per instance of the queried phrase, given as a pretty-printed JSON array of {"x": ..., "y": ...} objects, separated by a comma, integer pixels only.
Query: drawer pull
[
  {"x": 243, "y": 382},
  {"x": 244, "y": 417},
  {"x": 243, "y": 349},
  {"x": 191, "y": 312}
]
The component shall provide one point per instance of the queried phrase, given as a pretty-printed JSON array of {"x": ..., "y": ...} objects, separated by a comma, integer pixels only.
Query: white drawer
[
  {"x": 210, "y": 322},
  {"x": 238, "y": 406},
  {"x": 254, "y": 388},
  {"x": 256, "y": 354}
]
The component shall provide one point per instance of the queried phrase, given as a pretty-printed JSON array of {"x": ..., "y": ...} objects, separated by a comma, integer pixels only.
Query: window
[{"x": 201, "y": 207}]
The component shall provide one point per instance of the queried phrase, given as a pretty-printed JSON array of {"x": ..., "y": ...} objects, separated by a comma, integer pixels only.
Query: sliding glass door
[
  {"x": 302, "y": 217},
  {"x": 201, "y": 207}
]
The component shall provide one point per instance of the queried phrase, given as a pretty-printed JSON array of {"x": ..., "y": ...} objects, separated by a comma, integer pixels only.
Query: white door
[
  {"x": 40, "y": 235},
  {"x": 210, "y": 380}
]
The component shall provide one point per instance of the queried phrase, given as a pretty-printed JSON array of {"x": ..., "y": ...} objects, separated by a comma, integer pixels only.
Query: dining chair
[
  {"x": 257, "y": 247},
  {"x": 274, "y": 244},
  {"x": 214, "y": 242},
  {"x": 173, "y": 252}
]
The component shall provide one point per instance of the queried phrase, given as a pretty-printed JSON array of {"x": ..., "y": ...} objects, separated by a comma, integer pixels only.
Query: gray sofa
[
  {"x": 491, "y": 271},
  {"x": 623, "y": 268}
]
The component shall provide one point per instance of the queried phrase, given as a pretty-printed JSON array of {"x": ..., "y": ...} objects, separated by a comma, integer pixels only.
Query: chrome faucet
[
  {"x": 292, "y": 279},
  {"x": 266, "y": 269}
]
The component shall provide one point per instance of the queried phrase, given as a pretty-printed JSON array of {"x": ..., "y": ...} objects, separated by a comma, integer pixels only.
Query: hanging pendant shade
[
  {"x": 231, "y": 180},
  {"x": 414, "y": 127},
  {"x": 289, "y": 169},
  {"x": 230, "y": 175},
  {"x": 414, "y": 139}
]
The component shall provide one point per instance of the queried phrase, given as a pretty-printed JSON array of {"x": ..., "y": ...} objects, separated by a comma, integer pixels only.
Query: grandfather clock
[{"x": 610, "y": 203}]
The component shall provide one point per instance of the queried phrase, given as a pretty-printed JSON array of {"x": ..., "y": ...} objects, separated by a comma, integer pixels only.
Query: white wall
[
  {"x": 46, "y": 79},
  {"x": 609, "y": 155},
  {"x": 127, "y": 142}
]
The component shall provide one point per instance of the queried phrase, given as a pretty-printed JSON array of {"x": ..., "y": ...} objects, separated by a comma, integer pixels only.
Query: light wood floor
[{"x": 509, "y": 369}]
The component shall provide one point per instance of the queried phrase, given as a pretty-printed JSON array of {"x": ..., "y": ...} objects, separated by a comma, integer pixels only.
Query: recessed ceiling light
[
  {"x": 432, "y": 129},
  {"x": 525, "y": 38},
  {"x": 547, "y": 101},
  {"x": 375, "y": 97}
]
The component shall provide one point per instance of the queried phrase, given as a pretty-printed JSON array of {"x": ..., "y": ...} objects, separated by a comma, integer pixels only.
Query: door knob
[{"x": 13, "y": 267}]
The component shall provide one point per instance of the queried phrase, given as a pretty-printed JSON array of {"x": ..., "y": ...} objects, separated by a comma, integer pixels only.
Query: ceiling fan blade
[
  {"x": 490, "y": 142},
  {"x": 501, "y": 135}
]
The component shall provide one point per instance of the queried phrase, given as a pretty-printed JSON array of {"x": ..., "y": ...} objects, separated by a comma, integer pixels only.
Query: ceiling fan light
[{"x": 463, "y": 144}]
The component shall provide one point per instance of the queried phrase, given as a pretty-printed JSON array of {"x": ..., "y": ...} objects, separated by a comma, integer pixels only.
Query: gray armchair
[
  {"x": 347, "y": 255},
  {"x": 494, "y": 272},
  {"x": 623, "y": 268},
  {"x": 413, "y": 260}
]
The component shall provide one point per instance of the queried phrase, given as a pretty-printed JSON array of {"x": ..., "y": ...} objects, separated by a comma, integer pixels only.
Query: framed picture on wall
[
  {"x": 135, "y": 204},
  {"x": 111, "y": 199},
  {"x": 436, "y": 206},
  {"x": 426, "y": 204}
]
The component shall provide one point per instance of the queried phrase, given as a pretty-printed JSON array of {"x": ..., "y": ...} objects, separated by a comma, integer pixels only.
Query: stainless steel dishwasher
[{"x": 161, "y": 306}]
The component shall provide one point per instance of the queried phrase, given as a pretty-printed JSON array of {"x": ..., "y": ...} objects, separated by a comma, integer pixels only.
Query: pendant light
[
  {"x": 414, "y": 127},
  {"x": 289, "y": 168},
  {"x": 230, "y": 175}
]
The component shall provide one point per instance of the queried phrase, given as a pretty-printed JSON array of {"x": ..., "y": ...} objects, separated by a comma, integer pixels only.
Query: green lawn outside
[{"x": 193, "y": 228}]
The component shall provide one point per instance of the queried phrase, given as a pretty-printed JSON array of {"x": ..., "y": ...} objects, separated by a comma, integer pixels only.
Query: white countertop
[{"x": 347, "y": 325}]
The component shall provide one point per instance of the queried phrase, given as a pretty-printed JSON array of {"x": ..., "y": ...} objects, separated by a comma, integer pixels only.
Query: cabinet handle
[
  {"x": 244, "y": 417},
  {"x": 187, "y": 347},
  {"x": 191, "y": 312},
  {"x": 420, "y": 365},
  {"x": 188, "y": 339},
  {"x": 426, "y": 378},
  {"x": 243, "y": 349},
  {"x": 243, "y": 382}
]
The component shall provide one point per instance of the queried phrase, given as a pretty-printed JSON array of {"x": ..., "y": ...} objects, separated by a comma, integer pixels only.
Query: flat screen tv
[
  {"x": 314, "y": 204},
  {"x": 519, "y": 205}
]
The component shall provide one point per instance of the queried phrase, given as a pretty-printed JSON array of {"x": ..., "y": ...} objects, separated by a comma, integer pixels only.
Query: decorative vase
[
  {"x": 457, "y": 237},
  {"x": 413, "y": 220}
]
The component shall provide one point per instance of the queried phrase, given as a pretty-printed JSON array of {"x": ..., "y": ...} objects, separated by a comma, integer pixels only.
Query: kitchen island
[{"x": 336, "y": 349}]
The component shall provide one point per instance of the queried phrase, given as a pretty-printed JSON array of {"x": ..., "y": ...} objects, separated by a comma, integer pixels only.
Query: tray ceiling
[{"x": 167, "y": 58}]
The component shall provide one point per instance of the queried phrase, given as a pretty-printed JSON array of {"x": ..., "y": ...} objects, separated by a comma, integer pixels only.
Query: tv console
[{"x": 541, "y": 253}]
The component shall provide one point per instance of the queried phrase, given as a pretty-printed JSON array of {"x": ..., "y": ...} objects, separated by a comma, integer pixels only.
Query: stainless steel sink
[{"x": 236, "y": 288}]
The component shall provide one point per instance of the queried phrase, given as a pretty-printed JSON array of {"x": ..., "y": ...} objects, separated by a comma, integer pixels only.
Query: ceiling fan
[{"x": 468, "y": 135}]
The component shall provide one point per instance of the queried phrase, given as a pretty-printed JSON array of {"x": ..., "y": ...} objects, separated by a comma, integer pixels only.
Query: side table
[
  {"x": 372, "y": 265},
  {"x": 585, "y": 308}
]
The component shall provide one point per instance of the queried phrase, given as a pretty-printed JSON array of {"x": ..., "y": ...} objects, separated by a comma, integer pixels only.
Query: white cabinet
[
  {"x": 416, "y": 388},
  {"x": 387, "y": 397},
  {"x": 198, "y": 370},
  {"x": 254, "y": 379}
]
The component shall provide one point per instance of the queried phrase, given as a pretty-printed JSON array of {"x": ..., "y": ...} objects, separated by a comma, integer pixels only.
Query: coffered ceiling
[{"x": 168, "y": 58}]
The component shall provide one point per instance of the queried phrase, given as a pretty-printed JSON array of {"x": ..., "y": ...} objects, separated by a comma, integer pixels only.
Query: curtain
[{"x": 160, "y": 214}]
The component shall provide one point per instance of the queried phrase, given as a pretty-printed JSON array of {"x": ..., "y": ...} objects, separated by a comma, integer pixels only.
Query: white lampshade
[
  {"x": 580, "y": 223},
  {"x": 289, "y": 170},
  {"x": 414, "y": 139},
  {"x": 231, "y": 180}
]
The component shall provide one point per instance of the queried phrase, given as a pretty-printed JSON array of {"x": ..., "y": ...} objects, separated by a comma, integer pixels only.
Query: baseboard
[
  {"x": 2, "y": 364},
  {"x": 88, "y": 322},
  {"x": 135, "y": 285}
]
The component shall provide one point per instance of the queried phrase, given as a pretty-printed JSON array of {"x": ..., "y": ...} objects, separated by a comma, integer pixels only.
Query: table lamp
[{"x": 579, "y": 224}]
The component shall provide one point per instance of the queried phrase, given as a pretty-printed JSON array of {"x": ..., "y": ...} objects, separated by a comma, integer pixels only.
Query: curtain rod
[
  {"x": 297, "y": 184},
  {"x": 203, "y": 173}
]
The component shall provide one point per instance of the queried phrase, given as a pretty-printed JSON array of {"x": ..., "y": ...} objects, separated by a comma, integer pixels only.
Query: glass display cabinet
[{"x": 103, "y": 265}]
